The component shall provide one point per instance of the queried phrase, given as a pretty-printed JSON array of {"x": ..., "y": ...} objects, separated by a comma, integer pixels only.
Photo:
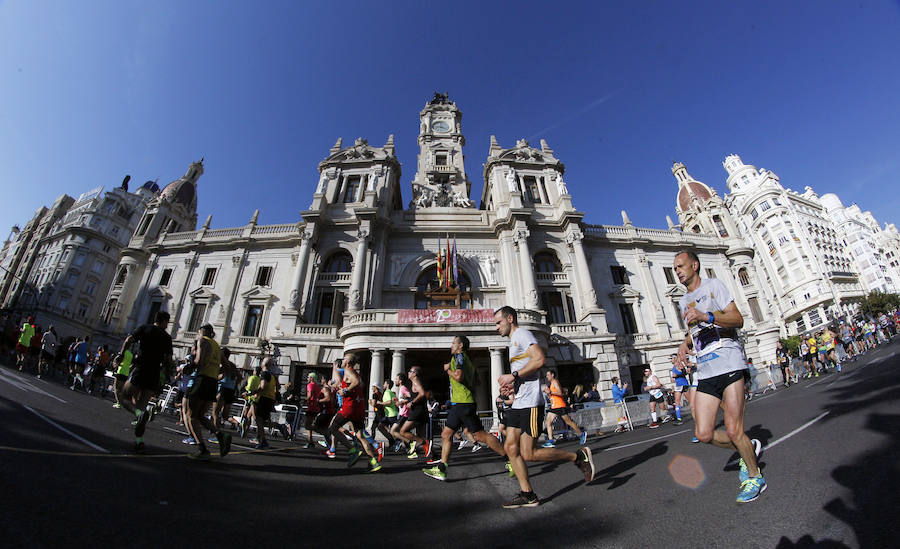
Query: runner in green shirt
[
  {"x": 462, "y": 410},
  {"x": 391, "y": 410}
]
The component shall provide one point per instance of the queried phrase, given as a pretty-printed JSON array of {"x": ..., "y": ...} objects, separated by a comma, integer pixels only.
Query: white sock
[{"x": 653, "y": 416}]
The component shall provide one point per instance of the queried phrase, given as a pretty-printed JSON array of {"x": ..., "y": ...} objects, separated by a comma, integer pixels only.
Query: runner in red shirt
[{"x": 353, "y": 411}]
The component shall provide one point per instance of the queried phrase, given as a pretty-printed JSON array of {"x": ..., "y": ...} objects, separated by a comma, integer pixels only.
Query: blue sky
[{"x": 91, "y": 91}]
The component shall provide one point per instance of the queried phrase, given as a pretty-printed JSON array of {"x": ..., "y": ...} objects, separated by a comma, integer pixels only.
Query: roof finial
[
  {"x": 255, "y": 217},
  {"x": 337, "y": 145},
  {"x": 625, "y": 219}
]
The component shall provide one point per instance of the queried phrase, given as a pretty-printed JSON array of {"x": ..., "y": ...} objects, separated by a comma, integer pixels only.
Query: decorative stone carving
[
  {"x": 575, "y": 235},
  {"x": 360, "y": 149},
  {"x": 561, "y": 185},
  {"x": 354, "y": 298},
  {"x": 294, "y": 257},
  {"x": 295, "y": 299},
  {"x": 236, "y": 260},
  {"x": 430, "y": 195},
  {"x": 522, "y": 236},
  {"x": 362, "y": 234},
  {"x": 511, "y": 182},
  {"x": 489, "y": 267},
  {"x": 330, "y": 173}
]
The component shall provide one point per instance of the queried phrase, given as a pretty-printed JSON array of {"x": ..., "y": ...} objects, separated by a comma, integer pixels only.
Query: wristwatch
[
  {"x": 711, "y": 317},
  {"x": 515, "y": 374}
]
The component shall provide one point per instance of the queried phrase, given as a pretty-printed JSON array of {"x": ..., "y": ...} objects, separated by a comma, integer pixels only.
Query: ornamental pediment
[
  {"x": 674, "y": 291},
  {"x": 258, "y": 293},
  {"x": 160, "y": 293},
  {"x": 203, "y": 293},
  {"x": 626, "y": 291},
  {"x": 360, "y": 151}
]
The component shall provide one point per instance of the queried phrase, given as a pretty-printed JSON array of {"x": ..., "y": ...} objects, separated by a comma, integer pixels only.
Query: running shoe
[
  {"x": 117, "y": 405},
  {"x": 654, "y": 425},
  {"x": 262, "y": 446},
  {"x": 435, "y": 472},
  {"x": 397, "y": 446},
  {"x": 323, "y": 444},
  {"x": 509, "y": 469},
  {"x": 212, "y": 439},
  {"x": 695, "y": 440},
  {"x": 585, "y": 462},
  {"x": 374, "y": 466},
  {"x": 139, "y": 448},
  {"x": 224, "y": 444},
  {"x": 751, "y": 489},
  {"x": 200, "y": 455},
  {"x": 679, "y": 422},
  {"x": 744, "y": 474},
  {"x": 462, "y": 444},
  {"x": 252, "y": 441},
  {"x": 141, "y": 423},
  {"x": 427, "y": 447},
  {"x": 330, "y": 454},
  {"x": 667, "y": 419},
  {"x": 412, "y": 450},
  {"x": 354, "y": 457},
  {"x": 189, "y": 440},
  {"x": 477, "y": 446},
  {"x": 379, "y": 451},
  {"x": 433, "y": 461},
  {"x": 582, "y": 438},
  {"x": 522, "y": 500},
  {"x": 151, "y": 412},
  {"x": 549, "y": 444}
]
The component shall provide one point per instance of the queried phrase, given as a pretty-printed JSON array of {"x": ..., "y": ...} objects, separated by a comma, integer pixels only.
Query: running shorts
[
  {"x": 227, "y": 395},
  {"x": 417, "y": 414},
  {"x": 464, "y": 414},
  {"x": 659, "y": 399},
  {"x": 529, "y": 420},
  {"x": 203, "y": 389},
  {"x": 358, "y": 423},
  {"x": 144, "y": 378},
  {"x": 262, "y": 408},
  {"x": 716, "y": 385},
  {"x": 559, "y": 411}
]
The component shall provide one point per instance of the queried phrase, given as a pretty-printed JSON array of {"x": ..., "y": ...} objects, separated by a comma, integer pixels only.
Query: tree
[{"x": 877, "y": 303}]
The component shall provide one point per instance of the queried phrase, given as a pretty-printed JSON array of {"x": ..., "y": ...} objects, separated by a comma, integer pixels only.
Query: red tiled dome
[{"x": 699, "y": 189}]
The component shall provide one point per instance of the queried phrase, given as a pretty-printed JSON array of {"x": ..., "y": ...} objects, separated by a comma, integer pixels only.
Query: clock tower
[{"x": 440, "y": 179}]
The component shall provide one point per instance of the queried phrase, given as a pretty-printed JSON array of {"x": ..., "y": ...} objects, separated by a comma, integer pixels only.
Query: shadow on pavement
[{"x": 874, "y": 479}]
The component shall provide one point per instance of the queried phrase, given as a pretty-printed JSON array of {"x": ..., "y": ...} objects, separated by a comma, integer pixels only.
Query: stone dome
[
  {"x": 699, "y": 189},
  {"x": 180, "y": 191}
]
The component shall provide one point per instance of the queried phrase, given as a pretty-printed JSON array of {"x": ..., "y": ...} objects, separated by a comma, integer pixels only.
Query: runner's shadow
[{"x": 613, "y": 475}]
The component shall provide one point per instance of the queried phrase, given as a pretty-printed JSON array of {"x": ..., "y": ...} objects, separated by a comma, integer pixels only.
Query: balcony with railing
[
  {"x": 334, "y": 277},
  {"x": 550, "y": 278},
  {"x": 630, "y": 340},
  {"x": 572, "y": 329}
]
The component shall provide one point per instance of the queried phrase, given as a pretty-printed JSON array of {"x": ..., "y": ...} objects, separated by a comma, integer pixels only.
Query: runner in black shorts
[
  {"x": 228, "y": 378},
  {"x": 416, "y": 416},
  {"x": 201, "y": 394},
  {"x": 523, "y": 420},
  {"x": 154, "y": 356},
  {"x": 462, "y": 411}
]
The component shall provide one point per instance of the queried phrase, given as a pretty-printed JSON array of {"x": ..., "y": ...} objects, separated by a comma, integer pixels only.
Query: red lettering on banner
[{"x": 441, "y": 316}]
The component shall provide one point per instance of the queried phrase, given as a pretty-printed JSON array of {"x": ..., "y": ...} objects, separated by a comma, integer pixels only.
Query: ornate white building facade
[
  {"x": 357, "y": 272},
  {"x": 76, "y": 259},
  {"x": 795, "y": 259},
  {"x": 862, "y": 238}
]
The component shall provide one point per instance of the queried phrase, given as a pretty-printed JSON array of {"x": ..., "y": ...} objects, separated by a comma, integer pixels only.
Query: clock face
[{"x": 441, "y": 126}]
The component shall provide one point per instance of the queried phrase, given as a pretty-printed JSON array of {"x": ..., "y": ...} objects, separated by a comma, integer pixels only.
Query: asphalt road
[{"x": 68, "y": 479}]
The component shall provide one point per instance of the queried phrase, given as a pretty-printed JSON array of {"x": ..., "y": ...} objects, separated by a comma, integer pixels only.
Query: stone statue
[
  {"x": 511, "y": 180},
  {"x": 125, "y": 183},
  {"x": 295, "y": 299},
  {"x": 320, "y": 188},
  {"x": 561, "y": 185},
  {"x": 397, "y": 264}
]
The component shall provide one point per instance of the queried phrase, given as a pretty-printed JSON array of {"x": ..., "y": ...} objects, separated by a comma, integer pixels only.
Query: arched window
[
  {"x": 743, "y": 277},
  {"x": 123, "y": 273},
  {"x": 546, "y": 262},
  {"x": 428, "y": 283},
  {"x": 340, "y": 262}
]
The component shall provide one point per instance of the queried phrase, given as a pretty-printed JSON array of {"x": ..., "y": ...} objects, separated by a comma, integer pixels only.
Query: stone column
[
  {"x": 398, "y": 359},
  {"x": 296, "y": 296},
  {"x": 496, "y": 371},
  {"x": 376, "y": 370},
  {"x": 529, "y": 285},
  {"x": 663, "y": 330},
  {"x": 359, "y": 272},
  {"x": 583, "y": 273}
]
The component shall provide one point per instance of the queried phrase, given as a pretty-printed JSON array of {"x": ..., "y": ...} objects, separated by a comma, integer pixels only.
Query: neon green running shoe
[
  {"x": 751, "y": 489},
  {"x": 435, "y": 472}
]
